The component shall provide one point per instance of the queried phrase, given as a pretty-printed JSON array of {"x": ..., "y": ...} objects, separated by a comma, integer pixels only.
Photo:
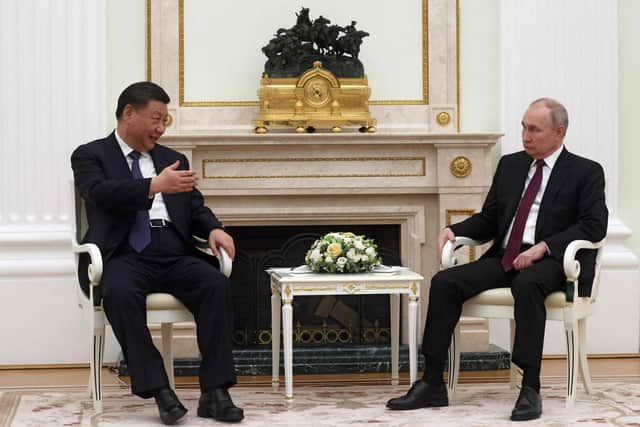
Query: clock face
[{"x": 316, "y": 92}]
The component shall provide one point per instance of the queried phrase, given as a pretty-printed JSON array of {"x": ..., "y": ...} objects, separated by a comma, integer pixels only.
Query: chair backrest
[{"x": 79, "y": 226}]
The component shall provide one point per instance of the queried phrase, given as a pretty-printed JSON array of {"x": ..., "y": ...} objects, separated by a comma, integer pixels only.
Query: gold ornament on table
[{"x": 313, "y": 78}]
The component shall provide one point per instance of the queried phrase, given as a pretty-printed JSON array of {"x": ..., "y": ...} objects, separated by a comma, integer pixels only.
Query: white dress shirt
[
  {"x": 529, "y": 234},
  {"x": 158, "y": 208}
]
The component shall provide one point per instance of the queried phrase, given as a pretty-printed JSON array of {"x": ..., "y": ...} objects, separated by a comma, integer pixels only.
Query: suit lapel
[
  {"x": 116, "y": 162},
  {"x": 559, "y": 177}
]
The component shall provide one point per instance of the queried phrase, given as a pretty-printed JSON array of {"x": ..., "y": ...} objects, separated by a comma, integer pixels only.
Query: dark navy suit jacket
[
  {"x": 573, "y": 207},
  {"x": 112, "y": 198}
]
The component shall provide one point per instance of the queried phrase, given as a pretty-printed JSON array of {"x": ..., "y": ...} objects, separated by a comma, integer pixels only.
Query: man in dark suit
[
  {"x": 143, "y": 210},
  {"x": 540, "y": 200}
]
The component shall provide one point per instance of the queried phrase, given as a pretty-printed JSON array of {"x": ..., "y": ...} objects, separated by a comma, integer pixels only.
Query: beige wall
[
  {"x": 479, "y": 57},
  {"x": 126, "y": 49},
  {"x": 479, "y": 65},
  {"x": 628, "y": 138}
]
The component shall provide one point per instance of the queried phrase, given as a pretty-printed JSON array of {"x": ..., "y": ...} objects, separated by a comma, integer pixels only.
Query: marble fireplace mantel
[{"x": 418, "y": 180}]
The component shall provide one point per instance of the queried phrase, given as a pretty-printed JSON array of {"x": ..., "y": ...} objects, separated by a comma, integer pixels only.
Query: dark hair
[{"x": 138, "y": 96}]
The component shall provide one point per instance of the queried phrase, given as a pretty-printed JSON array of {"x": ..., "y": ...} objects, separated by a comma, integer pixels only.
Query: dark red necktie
[{"x": 515, "y": 238}]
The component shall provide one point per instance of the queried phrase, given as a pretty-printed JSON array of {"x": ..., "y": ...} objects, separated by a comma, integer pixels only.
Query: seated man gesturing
[{"x": 143, "y": 210}]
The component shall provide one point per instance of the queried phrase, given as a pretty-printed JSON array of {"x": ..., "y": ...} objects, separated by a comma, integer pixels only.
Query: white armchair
[
  {"x": 162, "y": 308},
  {"x": 498, "y": 304}
]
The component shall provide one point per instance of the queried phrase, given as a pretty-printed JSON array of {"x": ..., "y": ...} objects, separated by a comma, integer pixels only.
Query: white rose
[
  {"x": 315, "y": 255},
  {"x": 364, "y": 258},
  {"x": 328, "y": 260},
  {"x": 351, "y": 254},
  {"x": 347, "y": 241},
  {"x": 341, "y": 262},
  {"x": 359, "y": 245},
  {"x": 370, "y": 251}
]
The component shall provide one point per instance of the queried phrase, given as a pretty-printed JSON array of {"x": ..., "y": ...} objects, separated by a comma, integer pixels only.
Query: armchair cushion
[{"x": 502, "y": 296}]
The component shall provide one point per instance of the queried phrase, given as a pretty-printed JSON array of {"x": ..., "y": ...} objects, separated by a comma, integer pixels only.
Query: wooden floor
[{"x": 553, "y": 370}]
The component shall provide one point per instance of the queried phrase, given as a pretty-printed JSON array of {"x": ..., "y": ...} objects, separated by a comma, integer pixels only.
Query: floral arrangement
[{"x": 343, "y": 253}]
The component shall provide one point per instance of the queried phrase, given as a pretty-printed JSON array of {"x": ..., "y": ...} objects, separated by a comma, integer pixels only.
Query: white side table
[{"x": 286, "y": 284}]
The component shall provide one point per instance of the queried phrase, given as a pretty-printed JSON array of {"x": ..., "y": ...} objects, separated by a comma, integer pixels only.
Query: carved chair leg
[
  {"x": 95, "y": 380},
  {"x": 454, "y": 362},
  {"x": 584, "y": 363},
  {"x": 572, "y": 363}
]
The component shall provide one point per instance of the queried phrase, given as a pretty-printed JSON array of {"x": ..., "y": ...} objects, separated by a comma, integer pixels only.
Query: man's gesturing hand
[
  {"x": 172, "y": 180},
  {"x": 446, "y": 235}
]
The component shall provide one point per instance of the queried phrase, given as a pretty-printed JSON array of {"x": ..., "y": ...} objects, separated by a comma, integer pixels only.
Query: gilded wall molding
[{"x": 421, "y": 162}]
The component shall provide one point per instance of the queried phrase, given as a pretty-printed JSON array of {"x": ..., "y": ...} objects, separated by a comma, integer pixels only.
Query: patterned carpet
[{"x": 616, "y": 404}]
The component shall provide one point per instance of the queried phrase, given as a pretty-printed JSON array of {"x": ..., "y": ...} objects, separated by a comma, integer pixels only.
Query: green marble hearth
[{"x": 339, "y": 360}]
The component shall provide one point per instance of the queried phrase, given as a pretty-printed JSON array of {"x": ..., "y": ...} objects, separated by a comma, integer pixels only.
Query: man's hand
[
  {"x": 528, "y": 257},
  {"x": 172, "y": 180},
  {"x": 446, "y": 235},
  {"x": 218, "y": 237}
]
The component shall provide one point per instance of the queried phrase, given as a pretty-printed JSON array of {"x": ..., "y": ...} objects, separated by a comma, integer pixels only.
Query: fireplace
[
  {"x": 277, "y": 193},
  {"x": 320, "y": 321}
]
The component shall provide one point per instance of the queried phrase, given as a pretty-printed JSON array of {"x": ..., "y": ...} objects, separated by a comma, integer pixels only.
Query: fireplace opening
[{"x": 341, "y": 320}]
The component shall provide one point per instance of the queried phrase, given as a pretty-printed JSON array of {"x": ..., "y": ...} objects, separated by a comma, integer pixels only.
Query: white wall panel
[{"x": 52, "y": 82}]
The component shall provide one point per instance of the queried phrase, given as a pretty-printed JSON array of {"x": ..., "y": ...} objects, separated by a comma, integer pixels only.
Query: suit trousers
[
  {"x": 452, "y": 287},
  {"x": 165, "y": 266}
]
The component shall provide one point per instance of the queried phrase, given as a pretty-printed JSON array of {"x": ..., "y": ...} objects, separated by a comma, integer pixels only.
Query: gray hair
[{"x": 557, "y": 112}]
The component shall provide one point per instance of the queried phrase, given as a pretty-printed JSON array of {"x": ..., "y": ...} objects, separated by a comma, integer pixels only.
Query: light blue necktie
[{"x": 140, "y": 233}]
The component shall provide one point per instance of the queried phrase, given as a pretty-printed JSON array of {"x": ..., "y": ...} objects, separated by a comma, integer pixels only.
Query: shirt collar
[
  {"x": 126, "y": 150},
  {"x": 552, "y": 158}
]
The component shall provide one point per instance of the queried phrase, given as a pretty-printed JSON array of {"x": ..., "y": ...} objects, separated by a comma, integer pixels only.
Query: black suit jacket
[
  {"x": 573, "y": 207},
  {"x": 113, "y": 197}
]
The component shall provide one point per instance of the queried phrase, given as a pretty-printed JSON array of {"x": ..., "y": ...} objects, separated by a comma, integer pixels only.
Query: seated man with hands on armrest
[{"x": 540, "y": 200}]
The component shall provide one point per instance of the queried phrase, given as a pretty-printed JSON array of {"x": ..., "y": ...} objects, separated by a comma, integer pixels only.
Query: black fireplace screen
[{"x": 321, "y": 320}]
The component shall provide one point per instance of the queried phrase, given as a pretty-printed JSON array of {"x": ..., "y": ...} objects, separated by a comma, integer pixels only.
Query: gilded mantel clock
[{"x": 313, "y": 78}]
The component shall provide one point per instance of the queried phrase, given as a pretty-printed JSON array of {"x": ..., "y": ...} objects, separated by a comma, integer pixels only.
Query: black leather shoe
[
  {"x": 217, "y": 404},
  {"x": 171, "y": 410},
  {"x": 421, "y": 395},
  {"x": 528, "y": 406}
]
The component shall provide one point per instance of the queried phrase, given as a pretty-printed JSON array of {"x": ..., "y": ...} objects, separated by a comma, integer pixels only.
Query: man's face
[
  {"x": 144, "y": 126},
  {"x": 539, "y": 137}
]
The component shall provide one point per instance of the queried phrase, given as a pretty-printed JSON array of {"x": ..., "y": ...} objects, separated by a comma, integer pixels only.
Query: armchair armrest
[
  {"x": 572, "y": 266},
  {"x": 569, "y": 262},
  {"x": 95, "y": 266},
  {"x": 448, "y": 258},
  {"x": 226, "y": 264}
]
